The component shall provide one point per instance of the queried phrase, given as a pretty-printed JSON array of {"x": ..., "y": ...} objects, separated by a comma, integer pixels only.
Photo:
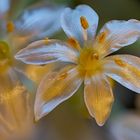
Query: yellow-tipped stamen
[
  {"x": 74, "y": 43},
  {"x": 63, "y": 76},
  {"x": 85, "y": 26},
  {"x": 102, "y": 36},
  {"x": 84, "y": 22},
  {"x": 10, "y": 27},
  {"x": 95, "y": 56},
  {"x": 89, "y": 63},
  {"x": 119, "y": 62}
]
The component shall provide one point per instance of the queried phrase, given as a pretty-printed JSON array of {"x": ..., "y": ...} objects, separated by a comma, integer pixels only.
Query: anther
[
  {"x": 74, "y": 43},
  {"x": 84, "y": 22},
  {"x": 10, "y": 27},
  {"x": 63, "y": 76},
  {"x": 102, "y": 36},
  {"x": 119, "y": 62},
  {"x": 95, "y": 56}
]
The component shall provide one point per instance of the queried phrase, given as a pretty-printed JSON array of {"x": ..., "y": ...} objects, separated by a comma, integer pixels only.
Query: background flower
[{"x": 16, "y": 116}]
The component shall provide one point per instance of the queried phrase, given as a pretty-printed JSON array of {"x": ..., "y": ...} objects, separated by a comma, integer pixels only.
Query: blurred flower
[
  {"x": 88, "y": 61},
  {"x": 16, "y": 105},
  {"x": 33, "y": 23},
  {"x": 15, "y": 34},
  {"x": 4, "y": 6},
  {"x": 126, "y": 126},
  {"x": 16, "y": 117}
]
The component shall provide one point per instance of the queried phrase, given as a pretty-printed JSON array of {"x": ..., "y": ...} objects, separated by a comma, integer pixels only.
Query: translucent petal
[
  {"x": 117, "y": 34},
  {"x": 47, "y": 51},
  {"x": 33, "y": 70},
  {"x": 98, "y": 98},
  {"x": 55, "y": 88},
  {"x": 17, "y": 119},
  {"x": 39, "y": 21},
  {"x": 70, "y": 21},
  {"x": 16, "y": 115},
  {"x": 125, "y": 69}
]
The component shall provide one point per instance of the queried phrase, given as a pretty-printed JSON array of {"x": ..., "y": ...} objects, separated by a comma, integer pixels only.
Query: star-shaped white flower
[{"x": 87, "y": 60}]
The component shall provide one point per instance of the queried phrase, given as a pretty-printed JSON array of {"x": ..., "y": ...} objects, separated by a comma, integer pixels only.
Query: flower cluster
[{"x": 86, "y": 57}]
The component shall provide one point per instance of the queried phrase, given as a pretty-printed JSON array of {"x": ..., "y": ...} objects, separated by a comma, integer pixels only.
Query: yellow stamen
[
  {"x": 88, "y": 62},
  {"x": 63, "y": 76},
  {"x": 95, "y": 56},
  {"x": 102, "y": 36},
  {"x": 119, "y": 62},
  {"x": 74, "y": 43},
  {"x": 84, "y": 22},
  {"x": 10, "y": 27}
]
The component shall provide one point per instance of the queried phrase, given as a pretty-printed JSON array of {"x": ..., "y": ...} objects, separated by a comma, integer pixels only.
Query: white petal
[
  {"x": 98, "y": 98},
  {"x": 47, "y": 51},
  {"x": 125, "y": 69},
  {"x": 54, "y": 89},
  {"x": 39, "y": 22},
  {"x": 70, "y": 21},
  {"x": 117, "y": 35}
]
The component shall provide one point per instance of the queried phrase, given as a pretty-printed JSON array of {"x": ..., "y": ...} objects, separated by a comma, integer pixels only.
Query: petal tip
[
  {"x": 37, "y": 118},
  {"x": 100, "y": 123},
  {"x": 38, "y": 115},
  {"x": 17, "y": 56}
]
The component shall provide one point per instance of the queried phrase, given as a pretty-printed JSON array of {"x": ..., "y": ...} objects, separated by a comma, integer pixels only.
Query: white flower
[{"x": 87, "y": 60}]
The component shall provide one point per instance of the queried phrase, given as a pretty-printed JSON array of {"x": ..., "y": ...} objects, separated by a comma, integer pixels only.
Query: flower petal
[
  {"x": 55, "y": 88},
  {"x": 39, "y": 21},
  {"x": 125, "y": 69},
  {"x": 117, "y": 34},
  {"x": 4, "y": 7},
  {"x": 35, "y": 23},
  {"x": 98, "y": 98},
  {"x": 16, "y": 108},
  {"x": 70, "y": 21},
  {"x": 32, "y": 70},
  {"x": 47, "y": 51}
]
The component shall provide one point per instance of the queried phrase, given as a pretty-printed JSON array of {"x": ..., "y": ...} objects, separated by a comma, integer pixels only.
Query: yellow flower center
[
  {"x": 5, "y": 56},
  {"x": 89, "y": 62}
]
